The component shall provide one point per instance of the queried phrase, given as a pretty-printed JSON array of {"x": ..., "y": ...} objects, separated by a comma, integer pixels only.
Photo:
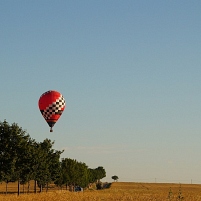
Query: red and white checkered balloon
[{"x": 51, "y": 105}]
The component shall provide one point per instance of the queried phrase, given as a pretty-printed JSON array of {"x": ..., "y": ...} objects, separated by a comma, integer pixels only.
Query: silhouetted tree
[{"x": 115, "y": 178}]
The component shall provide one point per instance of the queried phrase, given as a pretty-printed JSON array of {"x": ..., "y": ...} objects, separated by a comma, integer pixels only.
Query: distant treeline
[{"x": 23, "y": 159}]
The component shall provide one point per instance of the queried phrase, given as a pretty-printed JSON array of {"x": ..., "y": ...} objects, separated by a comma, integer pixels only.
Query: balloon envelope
[{"x": 51, "y": 105}]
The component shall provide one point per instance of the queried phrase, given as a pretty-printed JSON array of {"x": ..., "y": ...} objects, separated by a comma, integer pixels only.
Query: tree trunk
[
  {"x": 47, "y": 187},
  {"x": 35, "y": 184},
  {"x": 6, "y": 187},
  {"x": 41, "y": 188},
  {"x": 28, "y": 187},
  {"x": 71, "y": 187},
  {"x": 18, "y": 188}
]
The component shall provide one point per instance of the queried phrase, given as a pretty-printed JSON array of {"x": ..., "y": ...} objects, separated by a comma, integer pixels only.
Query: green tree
[
  {"x": 115, "y": 178},
  {"x": 61, "y": 178},
  {"x": 92, "y": 175},
  {"x": 32, "y": 161},
  {"x": 13, "y": 143},
  {"x": 100, "y": 173},
  {"x": 54, "y": 165},
  {"x": 69, "y": 172},
  {"x": 82, "y": 174},
  {"x": 48, "y": 163},
  {"x": 73, "y": 173}
]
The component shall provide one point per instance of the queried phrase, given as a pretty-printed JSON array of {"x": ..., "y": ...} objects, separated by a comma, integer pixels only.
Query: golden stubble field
[{"x": 118, "y": 191}]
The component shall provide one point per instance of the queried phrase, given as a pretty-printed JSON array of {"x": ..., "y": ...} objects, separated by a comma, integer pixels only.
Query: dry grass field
[{"x": 125, "y": 191}]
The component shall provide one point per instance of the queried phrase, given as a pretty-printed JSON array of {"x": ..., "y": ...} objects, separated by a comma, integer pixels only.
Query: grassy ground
[{"x": 119, "y": 191}]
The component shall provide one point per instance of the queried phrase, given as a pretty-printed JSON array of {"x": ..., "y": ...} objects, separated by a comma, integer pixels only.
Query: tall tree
[
  {"x": 100, "y": 173},
  {"x": 73, "y": 173},
  {"x": 30, "y": 161},
  {"x": 69, "y": 171},
  {"x": 48, "y": 163},
  {"x": 81, "y": 174},
  {"x": 13, "y": 141}
]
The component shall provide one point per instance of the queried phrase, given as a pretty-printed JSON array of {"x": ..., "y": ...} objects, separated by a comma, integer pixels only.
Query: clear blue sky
[{"x": 129, "y": 71}]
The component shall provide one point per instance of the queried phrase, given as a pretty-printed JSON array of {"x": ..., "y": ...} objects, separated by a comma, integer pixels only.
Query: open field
[{"x": 118, "y": 191}]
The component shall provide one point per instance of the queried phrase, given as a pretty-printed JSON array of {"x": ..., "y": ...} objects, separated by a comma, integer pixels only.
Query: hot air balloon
[{"x": 51, "y": 105}]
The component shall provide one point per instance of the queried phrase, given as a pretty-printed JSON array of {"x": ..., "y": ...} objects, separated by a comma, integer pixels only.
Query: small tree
[{"x": 115, "y": 178}]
